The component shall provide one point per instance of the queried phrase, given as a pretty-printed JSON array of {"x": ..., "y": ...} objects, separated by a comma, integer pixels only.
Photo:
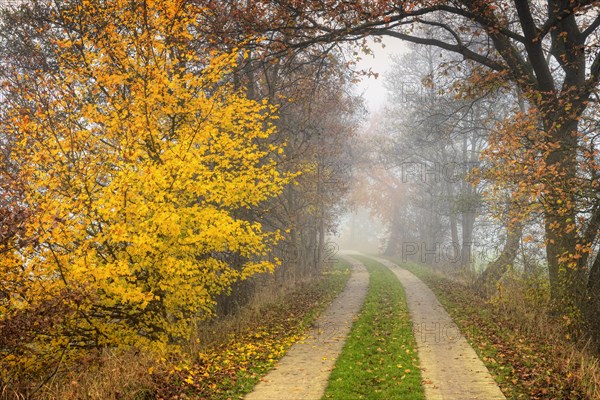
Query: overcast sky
[{"x": 371, "y": 88}]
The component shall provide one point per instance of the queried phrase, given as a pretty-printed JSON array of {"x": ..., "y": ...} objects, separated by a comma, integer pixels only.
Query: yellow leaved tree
[{"x": 139, "y": 162}]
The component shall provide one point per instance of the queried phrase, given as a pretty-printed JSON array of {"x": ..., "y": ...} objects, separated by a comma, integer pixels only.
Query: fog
[{"x": 415, "y": 150}]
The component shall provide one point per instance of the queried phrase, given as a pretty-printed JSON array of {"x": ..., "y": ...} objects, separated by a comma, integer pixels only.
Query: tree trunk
[
  {"x": 592, "y": 309},
  {"x": 455, "y": 241},
  {"x": 486, "y": 283},
  {"x": 567, "y": 280},
  {"x": 466, "y": 248},
  {"x": 391, "y": 248},
  {"x": 321, "y": 244},
  {"x": 594, "y": 278}
]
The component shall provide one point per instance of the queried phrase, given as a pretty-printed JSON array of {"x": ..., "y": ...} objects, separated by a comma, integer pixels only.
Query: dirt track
[{"x": 450, "y": 367}]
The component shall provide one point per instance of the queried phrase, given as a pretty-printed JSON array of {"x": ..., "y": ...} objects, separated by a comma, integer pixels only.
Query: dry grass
[
  {"x": 525, "y": 301},
  {"x": 522, "y": 304},
  {"x": 111, "y": 376},
  {"x": 586, "y": 368},
  {"x": 100, "y": 375},
  {"x": 131, "y": 375}
]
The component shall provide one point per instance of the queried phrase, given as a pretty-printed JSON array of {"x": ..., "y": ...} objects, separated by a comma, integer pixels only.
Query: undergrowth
[{"x": 224, "y": 361}]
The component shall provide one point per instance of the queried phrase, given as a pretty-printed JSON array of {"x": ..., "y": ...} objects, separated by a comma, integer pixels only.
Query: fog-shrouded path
[
  {"x": 303, "y": 372},
  {"x": 450, "y": 368}
]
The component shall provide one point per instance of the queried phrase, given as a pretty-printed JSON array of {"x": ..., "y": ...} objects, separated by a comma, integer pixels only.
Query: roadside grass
[
  {"x": 527, "y": 362},
  {"x": 226, "y": 364},
  {"x": 379, "y": 359}
]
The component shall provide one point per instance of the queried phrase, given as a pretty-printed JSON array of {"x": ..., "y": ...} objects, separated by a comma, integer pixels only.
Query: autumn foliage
[{"x": 137, "y": 159}]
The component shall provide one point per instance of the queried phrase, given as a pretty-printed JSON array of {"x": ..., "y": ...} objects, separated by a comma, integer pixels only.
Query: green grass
[{"x": 379, "y": 359}]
